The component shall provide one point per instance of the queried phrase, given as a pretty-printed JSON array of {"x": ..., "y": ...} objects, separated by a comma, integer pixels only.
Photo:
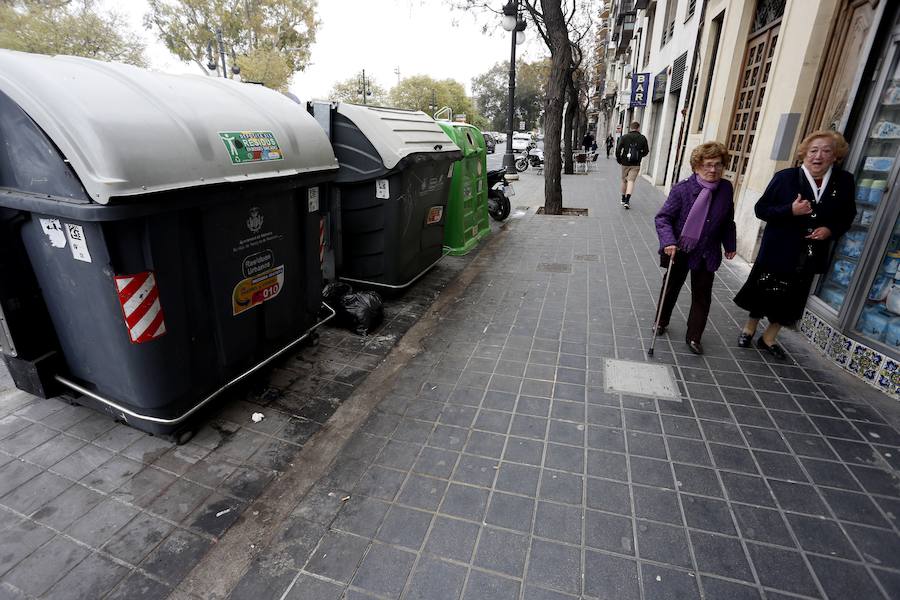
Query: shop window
[{"x": 879, "y": 319}]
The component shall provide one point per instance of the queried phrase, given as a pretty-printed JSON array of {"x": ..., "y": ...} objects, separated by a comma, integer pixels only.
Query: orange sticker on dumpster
[{"x": 255, "y": 290}]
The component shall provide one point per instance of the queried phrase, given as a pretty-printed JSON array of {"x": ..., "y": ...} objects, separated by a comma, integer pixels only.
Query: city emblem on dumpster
[{"x": 255, "y": 220}]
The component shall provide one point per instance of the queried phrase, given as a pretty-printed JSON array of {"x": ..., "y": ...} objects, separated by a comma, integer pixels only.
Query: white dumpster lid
[
  {"x": 396, "y": 133},
  {"x": 128, "y": 131}
]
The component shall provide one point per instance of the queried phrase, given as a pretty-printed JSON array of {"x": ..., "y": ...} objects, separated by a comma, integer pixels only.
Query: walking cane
[{"x": 662, "y": 298}]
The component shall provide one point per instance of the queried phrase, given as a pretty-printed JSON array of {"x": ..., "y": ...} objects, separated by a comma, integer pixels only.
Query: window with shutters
[
  {"x": 668, "y": 28},
  {"x": 716, "y": 36},
  {"x": 651, "y": 18},
  {"x": 691, "y": 9}
]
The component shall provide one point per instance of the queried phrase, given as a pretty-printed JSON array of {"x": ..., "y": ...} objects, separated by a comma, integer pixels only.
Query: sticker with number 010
[{"x": 435, "y": 214}]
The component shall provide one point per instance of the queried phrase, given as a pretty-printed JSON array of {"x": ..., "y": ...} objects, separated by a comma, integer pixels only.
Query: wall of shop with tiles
[{"x": 872, "y": 366}]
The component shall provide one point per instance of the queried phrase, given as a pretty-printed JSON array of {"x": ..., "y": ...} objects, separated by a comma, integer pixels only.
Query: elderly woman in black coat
[{"x": 806, "y": 209}]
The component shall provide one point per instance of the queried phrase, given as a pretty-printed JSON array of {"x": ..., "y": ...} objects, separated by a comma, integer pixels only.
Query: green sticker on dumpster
[{"x": 251, "y": 146}]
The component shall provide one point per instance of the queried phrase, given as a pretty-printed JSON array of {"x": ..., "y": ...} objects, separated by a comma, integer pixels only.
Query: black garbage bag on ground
[
  {"x": 361, "y": 312},
  {"x": 334, "y": 291}
]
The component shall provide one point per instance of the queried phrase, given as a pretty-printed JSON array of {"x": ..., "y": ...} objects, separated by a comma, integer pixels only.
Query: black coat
[{"x": 783, "y": 244}]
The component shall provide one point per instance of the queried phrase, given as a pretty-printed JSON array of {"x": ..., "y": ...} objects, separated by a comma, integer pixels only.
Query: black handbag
[{"x": 774, "y": 288}]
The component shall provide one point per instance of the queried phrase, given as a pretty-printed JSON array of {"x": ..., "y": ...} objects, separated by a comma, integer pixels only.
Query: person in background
[
  {"x": 632, "y": 148},
  {"x": 610, "y": 142},
  {"x": 586, "y": 142},
  {"x": 806, "y": 209},
  {"x": 694, "y": 225}
]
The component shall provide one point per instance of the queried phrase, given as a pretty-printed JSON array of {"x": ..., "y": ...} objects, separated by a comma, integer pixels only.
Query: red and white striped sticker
[
  {"x": 139, "y": 298},
  {"x": 322, "y": 241}
]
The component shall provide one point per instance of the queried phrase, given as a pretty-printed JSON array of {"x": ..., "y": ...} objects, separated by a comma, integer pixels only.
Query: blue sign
[{"x": 640, "y": 84}]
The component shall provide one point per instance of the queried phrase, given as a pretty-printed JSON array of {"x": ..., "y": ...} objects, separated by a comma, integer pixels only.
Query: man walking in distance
[{"x": 631, "y": 149}]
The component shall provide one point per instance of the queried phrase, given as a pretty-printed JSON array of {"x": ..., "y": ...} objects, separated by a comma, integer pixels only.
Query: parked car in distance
[
  {"x": 489, "y": 142},
  {"x": 521, "y": 141}
]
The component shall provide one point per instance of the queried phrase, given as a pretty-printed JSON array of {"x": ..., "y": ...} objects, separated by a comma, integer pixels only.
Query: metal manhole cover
[
  {"x": 554, "y": 267},
  {"x": 640, "y": 379},
  {"x": 587, "y": 257}
]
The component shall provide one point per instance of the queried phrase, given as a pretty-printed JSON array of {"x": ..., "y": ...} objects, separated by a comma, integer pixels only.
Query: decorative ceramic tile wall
[{"x": 871, "y": 366}]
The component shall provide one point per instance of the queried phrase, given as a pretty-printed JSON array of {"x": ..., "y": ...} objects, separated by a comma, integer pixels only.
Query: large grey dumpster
[
  {"x": 392, "y": 191},
  {"x": 159, "y": 235}
]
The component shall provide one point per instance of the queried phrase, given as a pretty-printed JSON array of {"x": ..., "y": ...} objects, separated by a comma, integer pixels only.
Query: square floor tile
[
  {"x": 555, "y": 566},
  {"x": 609, "y": 532},
  {"x": 610, "y": 577},
  {"x": 452, "y": 538},
  {"x": 501, "y": 551},
  {"x": 384, "y": 570},
  {"x": 763, "y": 525},
  {"x": 720, "y": 555},
  {"x": 782, "y": 570},
  {"x": 663, "y": 543}
]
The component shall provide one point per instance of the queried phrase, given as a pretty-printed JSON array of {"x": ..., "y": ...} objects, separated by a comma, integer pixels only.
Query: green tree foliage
[
  {"x": 75, "y": 27},
  {"x": 270, "y": 38},
  {"x": 491, "y": 92},
  {"x": 350, "y": 90},
  {"x": 420, "y": 91}
]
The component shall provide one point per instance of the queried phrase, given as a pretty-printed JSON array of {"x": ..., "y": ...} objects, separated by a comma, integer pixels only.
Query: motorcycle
[
  {"x": 498, "y": 192},
  {"x": 533, "y": 157}
]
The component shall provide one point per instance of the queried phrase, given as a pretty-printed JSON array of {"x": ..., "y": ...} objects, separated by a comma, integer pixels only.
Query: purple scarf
[{"x": 693, "y": 227}]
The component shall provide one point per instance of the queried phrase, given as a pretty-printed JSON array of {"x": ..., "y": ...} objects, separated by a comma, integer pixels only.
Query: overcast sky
[{"x": 415, "y": 36}]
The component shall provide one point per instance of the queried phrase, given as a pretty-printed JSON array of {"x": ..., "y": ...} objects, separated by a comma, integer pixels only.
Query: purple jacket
[{"x": 719, "y": 230}]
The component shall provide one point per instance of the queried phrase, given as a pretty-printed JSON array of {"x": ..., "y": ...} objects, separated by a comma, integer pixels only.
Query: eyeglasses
[{"x": 712, "y": 167}]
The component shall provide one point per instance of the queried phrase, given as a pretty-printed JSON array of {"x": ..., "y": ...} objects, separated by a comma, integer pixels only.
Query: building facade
[{"x": 759, "y": 76}]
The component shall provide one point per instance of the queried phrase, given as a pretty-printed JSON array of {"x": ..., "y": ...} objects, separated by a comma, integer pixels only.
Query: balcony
[{"x": 624, "y": 27}]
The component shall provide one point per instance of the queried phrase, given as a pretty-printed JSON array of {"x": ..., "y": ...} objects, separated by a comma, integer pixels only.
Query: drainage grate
[
  {"x": 554, "y": 267},
  {"x": 640, "y": 379}
]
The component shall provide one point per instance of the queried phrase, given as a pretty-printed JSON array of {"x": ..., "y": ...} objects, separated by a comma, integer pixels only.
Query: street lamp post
[
  {"x": 212, "y": 65},
  {"x": 364, "y": 86},
  {"x": 515, "y": 23}
]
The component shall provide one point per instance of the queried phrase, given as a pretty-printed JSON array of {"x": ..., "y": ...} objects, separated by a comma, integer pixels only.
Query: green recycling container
[{"x": 467, "y": 210}]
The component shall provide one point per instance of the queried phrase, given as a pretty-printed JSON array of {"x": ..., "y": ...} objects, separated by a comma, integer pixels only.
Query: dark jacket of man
[
  {"x": 784, "y": 241},
  {"x": 718, "y": 232},
  {"x": 636, "y": 138}
]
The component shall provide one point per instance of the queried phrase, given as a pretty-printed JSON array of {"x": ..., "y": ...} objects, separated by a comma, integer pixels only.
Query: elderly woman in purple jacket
[{"x": 694, "y": 225}]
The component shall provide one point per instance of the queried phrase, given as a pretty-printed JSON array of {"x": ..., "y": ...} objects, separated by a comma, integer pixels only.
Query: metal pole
[
  {"x": 221, "y": 50},
  {"x": 509, "y": 160},
  {"x": 364, "y": 86}
]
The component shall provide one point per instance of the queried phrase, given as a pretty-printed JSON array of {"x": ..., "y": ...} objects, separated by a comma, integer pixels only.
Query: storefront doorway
[{"x": 752, "y": 87}]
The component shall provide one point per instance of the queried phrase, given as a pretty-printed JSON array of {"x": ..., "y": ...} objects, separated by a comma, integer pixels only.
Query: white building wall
[{"x": 661, "y": 122}]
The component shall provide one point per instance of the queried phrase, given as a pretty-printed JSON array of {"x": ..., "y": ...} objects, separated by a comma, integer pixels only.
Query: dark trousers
[{"x": 701, "y": 297}]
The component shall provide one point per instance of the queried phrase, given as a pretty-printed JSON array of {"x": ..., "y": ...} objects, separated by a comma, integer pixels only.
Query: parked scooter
[
  {"x": 533, "y": 157},
  {"x": 498, "y": 194}
]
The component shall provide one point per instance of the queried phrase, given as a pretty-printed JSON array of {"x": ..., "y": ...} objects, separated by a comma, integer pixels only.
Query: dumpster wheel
[{"x": 184, "y": 436}]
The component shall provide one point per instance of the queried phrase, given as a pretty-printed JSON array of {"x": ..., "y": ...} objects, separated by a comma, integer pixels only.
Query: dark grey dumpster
[
  {"x": 392, "y": 191},
  {"x": 159, "y": 235}
]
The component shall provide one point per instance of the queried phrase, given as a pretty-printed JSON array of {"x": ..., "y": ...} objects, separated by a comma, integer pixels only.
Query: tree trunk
[
  {"x": 561, "y": 59},
  {"x": 571, "y": 141}
]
